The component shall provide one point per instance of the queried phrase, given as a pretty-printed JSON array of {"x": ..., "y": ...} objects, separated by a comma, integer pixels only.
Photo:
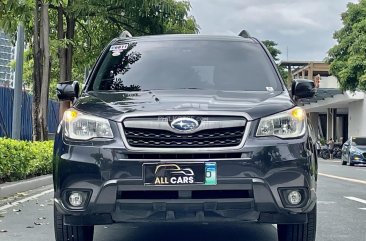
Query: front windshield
[
  {"x": 185, "y": 64},
  {"x": 359, "y": 141}
]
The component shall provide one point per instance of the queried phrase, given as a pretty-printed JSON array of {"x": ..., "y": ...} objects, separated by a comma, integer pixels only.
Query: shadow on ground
[{"x": 184, "y": 232}]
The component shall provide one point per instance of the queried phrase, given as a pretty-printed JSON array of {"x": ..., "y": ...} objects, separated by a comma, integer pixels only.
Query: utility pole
[{"x": 17, "y": 104}]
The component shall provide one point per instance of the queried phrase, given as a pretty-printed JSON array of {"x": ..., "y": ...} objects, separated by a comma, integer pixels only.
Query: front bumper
[
  {"x": 257, "y": 204},
  {"x": 247, "y": 187},
  {"x": 358, "y": 159}
]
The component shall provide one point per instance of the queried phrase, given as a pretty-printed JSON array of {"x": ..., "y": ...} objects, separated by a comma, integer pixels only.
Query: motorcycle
[
  {"x": 337, "y": 152},
  {"x": 324, "y": 152}
]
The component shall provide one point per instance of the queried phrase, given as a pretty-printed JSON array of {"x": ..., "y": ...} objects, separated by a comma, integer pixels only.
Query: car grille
[
  {"x": 207, "y": 138},
  {"x": 164, "y": 138},
  {"x": 364, "y": 155}
]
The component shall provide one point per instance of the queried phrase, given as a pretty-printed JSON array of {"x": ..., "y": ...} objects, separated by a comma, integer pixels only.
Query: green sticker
[{"x": 211, "y": 173}]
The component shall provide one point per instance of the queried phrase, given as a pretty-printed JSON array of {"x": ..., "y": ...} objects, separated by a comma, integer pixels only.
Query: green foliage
[
  {"x": 97, "y": 23},
  {"x": 12, "y": 12},
  {"x": 272, "y": 48},
  {"x": 283, "y": 73},
  {"x": 275, "y": 52},
  {"x": 22, "y": 159},
  {"x": 348, "y": 57},
  {"x": 322, "y": 141}
]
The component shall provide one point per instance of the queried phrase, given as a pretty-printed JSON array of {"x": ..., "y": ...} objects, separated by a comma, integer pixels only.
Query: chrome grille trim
[
  {"x": 184, "y": 113},
  {"x": 156, "y": 124}
]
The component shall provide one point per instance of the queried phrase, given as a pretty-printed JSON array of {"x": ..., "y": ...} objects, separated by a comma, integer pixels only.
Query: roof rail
[
  {"x": 125, "y": 34},
  {"x": 244, "y": 34}
]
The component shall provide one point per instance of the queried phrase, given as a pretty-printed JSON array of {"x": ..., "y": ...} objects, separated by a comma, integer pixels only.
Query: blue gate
[{"x": 6, "y": 114}]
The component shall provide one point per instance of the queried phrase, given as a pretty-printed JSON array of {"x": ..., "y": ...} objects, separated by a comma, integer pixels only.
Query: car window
[
  {"x": 358, "y": 141},
  {"x": 217, "y": 65}
]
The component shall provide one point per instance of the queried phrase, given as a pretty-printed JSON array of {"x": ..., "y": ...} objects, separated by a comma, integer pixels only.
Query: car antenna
[
  {"x": 125, "y": 34},
  {"x": 244, "y": 34}
]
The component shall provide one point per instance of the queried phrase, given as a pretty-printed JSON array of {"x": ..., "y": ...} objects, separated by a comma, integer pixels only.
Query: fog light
[
  {"x": 76, "y": 199},
  {"x": 294, "y": 197}
]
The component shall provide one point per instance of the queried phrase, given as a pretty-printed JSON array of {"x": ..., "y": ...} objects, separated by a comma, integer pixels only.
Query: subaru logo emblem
[{"x": 184, "y": 124}]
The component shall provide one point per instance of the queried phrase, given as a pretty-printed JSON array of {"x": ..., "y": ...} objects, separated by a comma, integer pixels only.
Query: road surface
[{"x": 341, "y": 216}]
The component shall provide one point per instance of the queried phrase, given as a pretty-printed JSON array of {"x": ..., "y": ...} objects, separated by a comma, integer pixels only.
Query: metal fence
[{"x": 6, "y": 114}]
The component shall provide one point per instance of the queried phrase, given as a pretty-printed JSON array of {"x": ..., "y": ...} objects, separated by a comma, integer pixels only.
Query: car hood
[{"x": 113, "y": 105}]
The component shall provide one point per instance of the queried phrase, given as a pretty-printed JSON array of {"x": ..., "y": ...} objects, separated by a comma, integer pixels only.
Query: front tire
[
  {"x": 343, "y": 161},
  {"x": 299, "y": 232},
  {"x": 71, "y": 233},
  {"x": 350, "y": 162}
]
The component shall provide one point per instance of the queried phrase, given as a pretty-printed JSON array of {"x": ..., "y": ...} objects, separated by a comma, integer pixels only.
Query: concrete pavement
[
  {"x": 9, "y": 189},
  {"x": 341, "y": 216}
]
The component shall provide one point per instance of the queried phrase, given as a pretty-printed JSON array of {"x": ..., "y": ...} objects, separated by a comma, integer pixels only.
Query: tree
[
  {"x": 34, "y": 15},
  {"x": 348, "y": 57},
  {"x": 79, "y": 30},
  {"x": 81, "y": 18},
  {"x": 275, "y": 52},
  {"x": 41, "y": 70},
  {"x": 272, "y": 48}
]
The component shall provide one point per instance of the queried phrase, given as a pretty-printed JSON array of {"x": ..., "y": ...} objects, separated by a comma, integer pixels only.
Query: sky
[{"x": 303, "y": 29}]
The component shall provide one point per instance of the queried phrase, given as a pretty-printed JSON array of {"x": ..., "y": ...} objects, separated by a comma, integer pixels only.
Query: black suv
[{"x": 185, "y": 128}]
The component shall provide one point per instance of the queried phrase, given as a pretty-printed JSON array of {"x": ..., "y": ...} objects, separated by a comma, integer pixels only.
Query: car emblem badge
[{"x": 184, "y": 124}]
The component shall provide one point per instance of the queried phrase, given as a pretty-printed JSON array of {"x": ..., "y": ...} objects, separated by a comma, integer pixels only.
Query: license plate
[{"x": 170, "y": 174}]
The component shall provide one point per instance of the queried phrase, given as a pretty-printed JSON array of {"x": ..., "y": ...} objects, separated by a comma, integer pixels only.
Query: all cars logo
[{"x": 172, "y": 174}]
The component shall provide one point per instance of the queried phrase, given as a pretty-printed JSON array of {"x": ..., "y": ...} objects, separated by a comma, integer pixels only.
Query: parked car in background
[{"x": 354, "y": 151}]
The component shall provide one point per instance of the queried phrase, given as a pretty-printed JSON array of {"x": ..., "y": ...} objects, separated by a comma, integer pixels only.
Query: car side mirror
[
  {"x": 68, "y": 91},
  {"x": 303, "y": 88}
]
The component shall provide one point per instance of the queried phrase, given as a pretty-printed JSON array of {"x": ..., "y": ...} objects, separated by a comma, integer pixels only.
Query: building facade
[
  {"x": 332, "y": 112},
  {"x": 6, "y": 55}
]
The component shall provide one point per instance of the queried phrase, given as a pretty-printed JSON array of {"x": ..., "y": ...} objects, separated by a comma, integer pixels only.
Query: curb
[{"x": 11, "y": 188}]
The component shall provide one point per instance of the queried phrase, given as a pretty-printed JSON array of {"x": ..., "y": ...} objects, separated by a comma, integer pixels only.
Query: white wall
[
  {"x": 339, "y": 129},
  {"x": 328, "y": 82},
  {"x": 357, "y": 118}
]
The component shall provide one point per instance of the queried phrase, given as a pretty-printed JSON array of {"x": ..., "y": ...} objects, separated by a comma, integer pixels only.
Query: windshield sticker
[
  {"x": 270, "y": 89},
  {"x": 118, "y": 48},
  {"x": 115, "y": 54}
]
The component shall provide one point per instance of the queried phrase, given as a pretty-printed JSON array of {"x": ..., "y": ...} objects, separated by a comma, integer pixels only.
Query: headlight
[
  {"x": 80, "y": 126},
  {"x": 287, "y": 124}
]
